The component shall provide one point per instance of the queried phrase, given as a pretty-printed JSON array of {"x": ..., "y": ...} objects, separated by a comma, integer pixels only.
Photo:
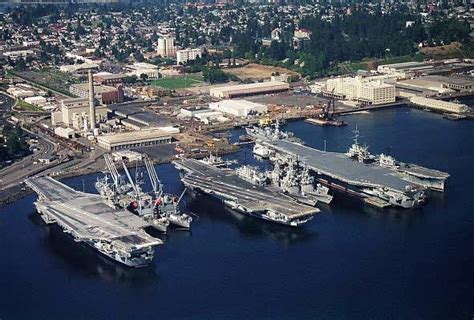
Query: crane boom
[
  {"x": 112, "y": 169},
  {"x": 155, "y": 181}
]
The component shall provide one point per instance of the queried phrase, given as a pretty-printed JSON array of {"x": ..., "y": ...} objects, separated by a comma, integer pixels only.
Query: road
[{"x": 19, "y": 170}]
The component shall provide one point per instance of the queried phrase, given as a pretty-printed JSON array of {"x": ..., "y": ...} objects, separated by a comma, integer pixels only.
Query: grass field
[
  {"x": 179, "y": 82},
  {"x": 25, "y": 106}
]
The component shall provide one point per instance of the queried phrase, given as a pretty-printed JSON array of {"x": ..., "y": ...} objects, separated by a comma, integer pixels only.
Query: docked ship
[
  {"x": 156, "y": 207},
  {"x": 241, "y": 195},
  {"x": 291, "y": 179},
  {"x": 117, "y": 234},
  {"x": 357, "y": 171}
]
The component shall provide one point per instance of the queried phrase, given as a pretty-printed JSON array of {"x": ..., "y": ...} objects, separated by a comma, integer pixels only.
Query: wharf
[
  {"x": 227, "y": 185},
  {"x": 87, "y": 218}
]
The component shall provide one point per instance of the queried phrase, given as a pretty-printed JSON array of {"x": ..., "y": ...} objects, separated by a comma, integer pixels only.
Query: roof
[
  {"x": 253, "y": 86},
  {"x": 133, "y": 136}
]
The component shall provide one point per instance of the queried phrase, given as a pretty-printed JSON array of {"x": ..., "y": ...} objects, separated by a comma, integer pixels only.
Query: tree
[{"x": 144, "y": 77}]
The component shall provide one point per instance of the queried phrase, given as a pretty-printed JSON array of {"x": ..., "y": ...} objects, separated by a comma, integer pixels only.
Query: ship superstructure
[
  {"x": 156, "y": 207},
  {"x": 117, "y": 234},
  {"x": 358, "y": 172},
  {"x": 243, "y": 196}
]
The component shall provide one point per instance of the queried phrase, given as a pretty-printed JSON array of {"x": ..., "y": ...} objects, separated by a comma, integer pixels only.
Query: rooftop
[{"x": 124, "y": 137}]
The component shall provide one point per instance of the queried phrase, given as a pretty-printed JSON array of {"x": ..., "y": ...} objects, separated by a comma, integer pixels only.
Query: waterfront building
[
  {"x": 238, "y": 108},
  {"x": 439, "y": 105},
  {"x": 126, "y": 140},
  {"x": 362, "y": 90}
]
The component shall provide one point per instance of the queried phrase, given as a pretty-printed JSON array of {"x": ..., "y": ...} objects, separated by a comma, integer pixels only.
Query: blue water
[{"x": 350, "y": 262}]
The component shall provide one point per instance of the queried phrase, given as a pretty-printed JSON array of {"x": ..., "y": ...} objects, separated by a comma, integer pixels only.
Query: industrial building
[
  {"x": 109, "y": 79},
  {"x": 439, "y": 105},
  {"x": 362, "y": 90},
  {"x": 135, "y": 117},
  {"x": 135, "y": 139},
  {"x": 105, "y": 94},
  {"x": 67, "y": 133},
  {"x": 205, "y": 115},
  {"x": 438, "y": 84},
  {"x": 185, "y": 55},
  {"x": 238, "y": 108},
  {"x": 250, "y": 89},
  {"x": 74, "y": 113},
  {"x": 166, "y": 46}
]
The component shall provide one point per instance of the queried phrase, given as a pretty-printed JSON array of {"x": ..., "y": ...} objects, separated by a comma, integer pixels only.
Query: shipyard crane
[
  {"x": 155, "y": 181},
  {"x": 329, "y": 109},
  {"x": 134, "y": 187},
  {"x": 112, "y": 169}
]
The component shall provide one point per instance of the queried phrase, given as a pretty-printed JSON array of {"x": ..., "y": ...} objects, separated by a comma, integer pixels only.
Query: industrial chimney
[{"x": 91, "y": 102}]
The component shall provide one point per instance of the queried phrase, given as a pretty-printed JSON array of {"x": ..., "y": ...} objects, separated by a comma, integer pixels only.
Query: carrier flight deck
[
  {"x": 117, "y": 234},
  {"x": 243, "y": 196}
]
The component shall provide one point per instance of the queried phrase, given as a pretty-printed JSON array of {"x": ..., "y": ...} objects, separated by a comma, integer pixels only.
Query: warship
[
  {"x": 291, "y": 179},
  {"x": 241, "y": 195},
  {"x": 117, "y": 234},
  {"x": 156, "y": 207},
  {"x": 378, "y": 180}
]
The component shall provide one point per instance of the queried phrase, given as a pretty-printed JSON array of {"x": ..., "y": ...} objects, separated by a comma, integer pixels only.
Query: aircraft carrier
[
  {"x": 117, "y": 234},
  {"x": 380, "y": 180},
  {"x": 243, "y": 196}
]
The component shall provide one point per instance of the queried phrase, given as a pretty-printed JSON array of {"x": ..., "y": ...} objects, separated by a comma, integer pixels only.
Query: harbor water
[{"x": 350, "y": 262}]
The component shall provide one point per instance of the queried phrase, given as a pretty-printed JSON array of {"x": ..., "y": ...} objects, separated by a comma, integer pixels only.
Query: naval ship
[
  {"x": 156, "y": 207},
  {"x": 117, "y": 234},
  {"x": 241, "y": 195},
  {"x": 378, "y": 180},
  {"x": 291, "y": 179}
]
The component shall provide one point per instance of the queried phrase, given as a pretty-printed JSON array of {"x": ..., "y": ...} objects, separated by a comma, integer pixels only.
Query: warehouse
[
  {"x": 439, "y": 105},
  {"x": 238, "y": 108},
  {"x": 134, "y": 139},
  {"x": 250, "y": 89}
]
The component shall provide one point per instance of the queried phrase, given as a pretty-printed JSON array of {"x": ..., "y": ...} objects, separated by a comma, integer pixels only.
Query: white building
[
  {"x": 67, "y": 133},
  {"x": 73, "y": 113},
  {"x": 126, "y": 140},
  {"x": 362, "y": 90},
  {"x": 139, "y": 68},
  {"x": 238, "y": 108},
  {"x": 166, "y": 46},
  {"x": 185, "y": 55},
  {"x": 439, "y": 105},
  {"x": 249, "y": 89}
]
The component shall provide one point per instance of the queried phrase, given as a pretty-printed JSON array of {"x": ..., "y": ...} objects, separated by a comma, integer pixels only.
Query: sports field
[{"x": 178, "y": 82}]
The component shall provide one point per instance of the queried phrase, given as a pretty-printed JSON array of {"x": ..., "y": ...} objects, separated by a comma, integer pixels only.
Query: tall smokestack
[{"x": 91, "y": 101}]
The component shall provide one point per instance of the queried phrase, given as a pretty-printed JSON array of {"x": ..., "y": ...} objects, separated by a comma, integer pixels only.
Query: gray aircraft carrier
[
  {"x": 118, "y": 234},
  {"x": 243, "y": 196},
  {"x": 380, "y": 178}
]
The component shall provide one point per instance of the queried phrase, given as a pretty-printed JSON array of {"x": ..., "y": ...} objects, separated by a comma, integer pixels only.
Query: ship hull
[{"x": 239, "y": 209}]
